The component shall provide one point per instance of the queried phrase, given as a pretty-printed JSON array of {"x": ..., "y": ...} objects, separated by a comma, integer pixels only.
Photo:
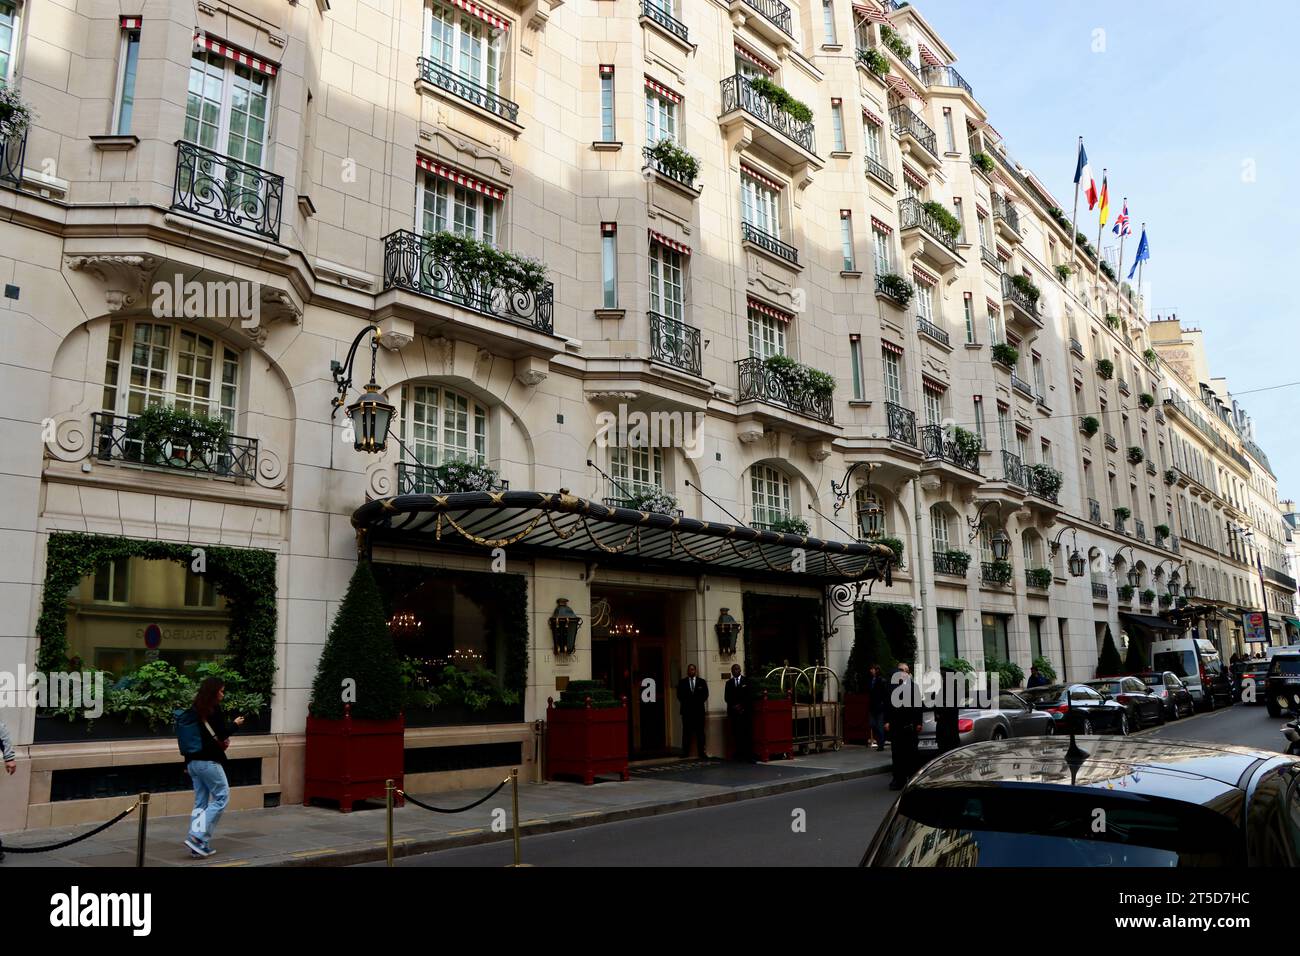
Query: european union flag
[{"x": 1143, "y": 254}]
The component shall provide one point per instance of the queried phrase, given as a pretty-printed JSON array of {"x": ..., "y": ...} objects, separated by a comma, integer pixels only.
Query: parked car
[
  {"x": 1250, "y": 673},
  {"x": 1035, "y": 803},
  {"x": 1144, "y": 707},
  {"x": 1084, "y": 711},
  {"x": 1282, "y": 685},
  {"x": 1196, "y": 661},
  {"x": 1011, "y": 717},
  {"x": 1173, "y": 693}
]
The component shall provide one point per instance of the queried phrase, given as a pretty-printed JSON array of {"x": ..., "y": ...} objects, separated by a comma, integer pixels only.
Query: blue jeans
[
  {"x": 211, "y": 794},
  {"x": 878, "y": 729}
]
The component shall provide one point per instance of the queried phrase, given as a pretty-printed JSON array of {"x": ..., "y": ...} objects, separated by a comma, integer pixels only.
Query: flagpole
[
  {"x": 1074, "y": 218},
  {"x": 1142, "y": 263},
  {"x": 1122, "y": 231},
  {"x": 1096, "y": 286}
]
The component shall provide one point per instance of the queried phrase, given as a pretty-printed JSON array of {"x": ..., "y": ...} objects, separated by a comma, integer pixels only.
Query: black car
[
  {"x": 1250, "y": 674},
  {"x": 1173, "y": 693},
  {"x": 1037, "y": 802},
  {"x": 1282, "y": 685},
  {"x": 1084, "y": 711},
  {"x": 1144, "y": 705}
]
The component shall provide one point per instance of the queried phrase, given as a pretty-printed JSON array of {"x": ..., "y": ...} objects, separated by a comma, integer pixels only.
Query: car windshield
[
  {"x": 1042, "y": 695},
  {"x": 1288, "y": 664},
  {"x": 1153, "y": 680},
  {"x": 1107, "y": 686},
  {"x": 1007, "y": 826},
  {"x": 1182, "y": 663}
]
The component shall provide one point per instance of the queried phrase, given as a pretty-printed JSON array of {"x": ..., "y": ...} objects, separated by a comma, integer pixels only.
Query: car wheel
[
  {"x": 1123, "y": 725},
  {"x": 1051, "y": 728},
  {"x": 1087, "y": 727},
  {"x": 1211, "y": 704},
  {"x": 998, "y": 734},
  {"x": 1173, "y": 712}
]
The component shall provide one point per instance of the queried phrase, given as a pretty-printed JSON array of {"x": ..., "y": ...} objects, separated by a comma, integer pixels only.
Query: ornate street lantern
[
  {"x": 1078, "y": 564},
  {"x": 564, "y": 624},
  {"x": 728, "y": 628},
  {"x": 1001, "y": 545},
  {"x": 1174, "y": 587},
  {"x": 1189, "y": 591},
  {"x": 370, "y": 414},
  {"x": 1134, "y": 577}
]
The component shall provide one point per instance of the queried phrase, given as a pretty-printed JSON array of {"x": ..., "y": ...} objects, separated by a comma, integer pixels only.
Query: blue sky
[{"x": 1187, "y": 105}]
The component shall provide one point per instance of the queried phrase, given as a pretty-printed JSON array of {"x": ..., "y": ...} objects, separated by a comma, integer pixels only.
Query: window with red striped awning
[
  {"x": 883, "y": 226},
  {"x": 871, "y": 12},
  {"x": 745, "y": 53},
  {"x": 763, "y": 178},
  {"x": 889, "y": 346},
  {"x": 459, "y": 178},
  {"x": 762, "y": 308},
  {"x": 221, "y": 48},
  {"x": 662, "y": 90},
  {"x": 872, "y": 117},
  {"x": 672, "y": 244},
  {"x": 131, "y": 23},
  {"x": 924, "y": 277},
  {"x": 927, "y": 55},
  {"x": 481, "y": 13}
]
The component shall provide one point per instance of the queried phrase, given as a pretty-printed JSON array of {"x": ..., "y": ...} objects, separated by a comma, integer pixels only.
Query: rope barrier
[
  {"x": 470, "y": 806},
  {"x": 77, "y": 839}
]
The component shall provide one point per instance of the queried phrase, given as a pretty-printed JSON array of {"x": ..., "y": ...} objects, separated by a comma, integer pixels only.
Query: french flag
[{"x": 1083, "y": 177}]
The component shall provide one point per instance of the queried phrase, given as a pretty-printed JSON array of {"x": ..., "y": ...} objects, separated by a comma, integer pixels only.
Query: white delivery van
[{"x": 1197, "y": 662}]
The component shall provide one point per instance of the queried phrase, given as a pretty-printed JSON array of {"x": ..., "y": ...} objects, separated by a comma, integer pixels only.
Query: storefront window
[
  {"x": 996, "y": 645},
  {"x": 948, "y": 634}
]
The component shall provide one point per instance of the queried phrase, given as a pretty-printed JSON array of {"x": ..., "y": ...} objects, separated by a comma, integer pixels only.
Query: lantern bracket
[
  {"x": 342, "y": 372},
  {"x": 977, "y": 522}
]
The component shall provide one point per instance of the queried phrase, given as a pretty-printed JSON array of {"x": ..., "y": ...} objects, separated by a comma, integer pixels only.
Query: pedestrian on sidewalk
[
  {"x": 737, "y": 697},
  {"x": 207, "y": 767},
  {"x": 7, "y": 750},
  {"x": 877, "y": 702},
  {"x": 903, "y": 724},
  {"x": 1036, "y": 679},
  {"x": 692, "y": 696}
]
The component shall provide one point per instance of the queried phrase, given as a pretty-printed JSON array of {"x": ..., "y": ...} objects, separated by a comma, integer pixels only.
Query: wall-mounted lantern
[
  {"x": 564, "y": 623},
  {"x": 728, "y": 629}
]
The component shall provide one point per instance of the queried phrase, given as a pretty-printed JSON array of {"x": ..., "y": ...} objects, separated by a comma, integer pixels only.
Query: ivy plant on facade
[{"x": 245, "y": 577}]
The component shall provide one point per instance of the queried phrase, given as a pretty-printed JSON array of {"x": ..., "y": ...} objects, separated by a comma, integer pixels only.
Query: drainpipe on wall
[{"x": 922, "y": 641}]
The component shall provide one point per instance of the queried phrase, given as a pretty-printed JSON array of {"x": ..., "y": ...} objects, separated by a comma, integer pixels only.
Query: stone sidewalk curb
[{"x": 374, "y": 852}]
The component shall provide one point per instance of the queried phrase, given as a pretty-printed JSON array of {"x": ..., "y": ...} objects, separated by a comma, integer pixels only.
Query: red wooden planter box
[
  {"x": 349, "y": 760},
  {"x": 857, "y": 718},
  {"x": 773, "y": 727},
  {"x": 586, "y": 742}
]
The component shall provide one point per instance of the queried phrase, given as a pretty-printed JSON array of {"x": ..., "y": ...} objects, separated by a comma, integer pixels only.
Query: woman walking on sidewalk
[{"x": 207, "y": 768}]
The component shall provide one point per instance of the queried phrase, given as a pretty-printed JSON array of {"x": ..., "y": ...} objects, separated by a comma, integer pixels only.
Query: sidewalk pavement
[{"x": 316, "y": 836}]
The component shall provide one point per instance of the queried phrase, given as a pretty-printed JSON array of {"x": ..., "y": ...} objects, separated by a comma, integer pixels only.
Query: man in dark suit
[
  {"x": 737, "y": 696},
  {"x": 692, "y": 696},
  {"x": 903, "y": 724}
]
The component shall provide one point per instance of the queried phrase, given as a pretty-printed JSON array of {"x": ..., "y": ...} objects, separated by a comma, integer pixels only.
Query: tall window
[
  {"x": 880, "y": 244},
  {"x": 607, "y": 132},
  {"x": 846, "y": 241},
  {"x": 948, "y": 634},
  {"x": 828, "y": 22},
  {"x": 855, "y": 359},
  {"x": 939, "y": 531},
  {"x": 979, "y": 420},
  {"x": 891, "y": 367},
  {"x": 443, "y": 426},
  {"x": 635, "y": 471},
  {"x": 933, "y": 406},
  {"x": 609, "y": 264},
  {"x": 450, "y": 207},
  {"x": 111, "y": 582},
  {"x": 994, "y": 334},
  {"x": 127, "y": 61},
  {"x": 912, "y": 188},
  {"x": 925, "y": 301},
  {"x": 837, "y": 126},
  {"x": 1039, "y": 382},
  {"x": 169, "y": 365},
  {"x": 1002, "y": 427},
  {"x": 982, "y": 226},
  {"x": 226, "y": 109},
  {"x": 996, "y": 644},
  {"x": 464, "y": 45},
  {"x": 771, "y": 493},
  {"x": 760, "y": 204},
  {"x": 949, "y": 134},
  {"x": 8, "y": 26},
  {"x": 1045, "y": 452},
  {"x": 871, "y": 140},
  {"x": 660, "y": 117},
  {"x": 968, "y": 305},
  {"x": 766, "y": 334},
  {"x": 747, "y": 68},
  {"x": 667, "y": 291}
]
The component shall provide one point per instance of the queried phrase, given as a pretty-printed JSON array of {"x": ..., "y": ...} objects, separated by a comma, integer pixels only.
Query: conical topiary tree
[
  {"x": 358, "y": 649},
  {"x": 1135, "y": 660},
  {"x": 1109, "y": 662},
  {"x": 881, "y": 653},
  {"x": 855, "y": 672}
]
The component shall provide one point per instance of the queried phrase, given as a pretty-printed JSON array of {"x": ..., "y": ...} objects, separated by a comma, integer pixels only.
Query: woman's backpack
[{"x": 188, "y": 735}]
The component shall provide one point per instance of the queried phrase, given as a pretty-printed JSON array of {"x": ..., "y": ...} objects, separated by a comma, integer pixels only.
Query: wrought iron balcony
[
  {"x": 902, "y": 423},
  {"x": 757, "y": 382},
  {"x": 1151, "y": 467},
  {"x": 414, "y": 478},
  {"x": 1018, "y": 297},
  {"x": 1036, "y": 580},
  {"x": 1094, "y": 511},
  {"x": 995, "y": 572},
  {"x": 1007, "y": 212},
  {"x": 1076, "y": 346},
  {"x": 658, "y": 166},
  {"x": 945, "y": 76},
  {"x": 1043, "y": 481},
  {"x": 412, "y": 262},
  {"x": 446, "y": 78},
  {"x": 116, "y": 438},
  {"x": 933, "y": 331},
  {"x": 665, "y": 19},
  {"x": 1139, "y": 530},
  {"x": 1111, "y": 443},
  {"x": 880, "y": 172},
  {"x": 12, "y": 152},
  {"x": 1119, "y": 520},
  {"x": 1123, "y": 386},
  {"x": 227, "y": 191},
  {"x": 883, "y": 288},
  {"x": 1020, "y": 385},
  {"x": 738, "y": 94},
  {"x": 1013, "y": 469},
  {"x": 991, "y": 259},
  {"x": 675, "y": 343},
  {"x": 943, "y": 564},
  {"x": 937, "y": 443},
  {"x": 907, "y": 122},
  {"x": 913, "y": 214},
  {"x": 775, "y": 11},
  {"x": 1100, "y": 590},
  {"x": 1174, "y": 544},
  {"x": 1280, "y": 577},
  {"x": 1145, "y": 599},
  {"x": 630, "y": 494},
  {"x": 770, "y": 243}
]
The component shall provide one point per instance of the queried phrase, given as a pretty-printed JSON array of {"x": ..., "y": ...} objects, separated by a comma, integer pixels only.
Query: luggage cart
[{"x": 823, "y": 712}]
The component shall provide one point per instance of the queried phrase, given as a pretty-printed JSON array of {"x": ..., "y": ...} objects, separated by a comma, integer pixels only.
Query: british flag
[{"x": 1122, "y": 227}]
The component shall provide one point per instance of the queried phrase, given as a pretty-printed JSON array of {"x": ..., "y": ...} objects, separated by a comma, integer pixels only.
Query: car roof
[{"x": 1105, "y": 762}]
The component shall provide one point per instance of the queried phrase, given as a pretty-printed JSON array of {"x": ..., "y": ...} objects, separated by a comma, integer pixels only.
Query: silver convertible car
[{"x": 1011, "y": 717}]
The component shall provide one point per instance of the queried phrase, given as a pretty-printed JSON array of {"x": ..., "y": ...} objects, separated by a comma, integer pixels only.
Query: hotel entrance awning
[
  {"x": 1149, "y": 621},
  {"x": 560, "y": 525}
]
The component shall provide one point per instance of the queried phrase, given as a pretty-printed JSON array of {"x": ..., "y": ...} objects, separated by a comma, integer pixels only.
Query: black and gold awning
[{"x": 560, "y": 525}]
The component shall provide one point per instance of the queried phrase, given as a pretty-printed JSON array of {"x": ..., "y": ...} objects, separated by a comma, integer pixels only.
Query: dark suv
[{"x": 1282, "y": 685}]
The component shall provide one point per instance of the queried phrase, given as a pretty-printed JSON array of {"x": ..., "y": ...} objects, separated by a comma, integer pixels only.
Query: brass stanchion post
[
  {"x": 514, "y": 800},
  {"x": 388, "y": 797},
  {"x": 144, "y": 826}
]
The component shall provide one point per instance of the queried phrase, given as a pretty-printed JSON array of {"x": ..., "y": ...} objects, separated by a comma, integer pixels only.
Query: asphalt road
[{"x": 839, "y": 819}]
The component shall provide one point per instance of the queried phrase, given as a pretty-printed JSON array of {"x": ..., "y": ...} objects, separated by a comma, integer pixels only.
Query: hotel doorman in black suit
[{"x": 692, "y": 698}]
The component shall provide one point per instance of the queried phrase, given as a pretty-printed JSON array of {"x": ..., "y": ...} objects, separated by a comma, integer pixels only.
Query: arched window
[
  {"x": 440, "y": 425},
  {"x": 156, "y": 363},
  {"x": 939, "y": 537},
  {"x": 771, "y": 495},
  {"x": 635, "y": 471}
]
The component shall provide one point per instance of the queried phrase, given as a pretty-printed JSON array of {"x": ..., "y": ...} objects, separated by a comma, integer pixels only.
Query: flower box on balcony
[
  {"x": 586, "y": 733},
  {"x": 1089, "y": 425},
  {"x": 983, "y": 162},
  {"x": 1005, "y": 354},
  {"x": 669, "y": 159},
  {"x": 1136, "y": 455},
  {"x": 1105, "y": 369},
  {"x": 875, "y": 61},
  {"x": 1148, "y": 596},
  {"x": 1125, "y": 592},
  {"x": 1038, "y": 577},
  {"x": 1146, "y": 401},
  {"x": 895, "y": 287},
  {"x": 1171, "y": 476}
]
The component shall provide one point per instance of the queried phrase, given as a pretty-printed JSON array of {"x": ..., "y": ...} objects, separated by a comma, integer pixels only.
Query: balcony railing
[
  {"x": 665, "y": 19},
  {"x": 414, "y": 478},
  {"x": 1020, "y": 385},
  {"x": 881, "y": 173},
  {"x": 912, "y": 213},
  {"x": 782, "y": 250},
  {"x": 946, "y": 565},
  {"x": 115, "y": 439},
  {"x": 1139, "y": 530},
  {"x": 902, "y": 423},
  {"x": 627, "y": 494},
  {"x": 12, "y": 152},
  {"x": 1018, "y": 297},
  {"x": 1076, "y": 346},
  {"x": 905, "y": 121},
  {"x": 1013, "y": 469},
  {"x": 926, "y": 327},
  {"x": 657, "y": 165},
  {"x": 1100, "y": 590},
  {"x": 411, "y": 262},
  {"x": 945, "y": 76},
  {"x": 675, "y": 343},
  {"x": 1280, "y": 577},
  {"x": 737, "y": 93},
  {"x": 1111, "y": 443},
  {"x": 227, "y": 191},
  {"x": 445, "y": 78},
  {"x": 759, "y": 383},
  {"x": 1151, "y": 467},
  {"x": 775, "y": 11},
  {"x": 882, "y": 288},
  {"x": 1007, "y": 212},
  {"x": 1094, "y": 511},
  {"x": 1123, "y": 386},
  {"x": 995, "y": 572},
  {"x": 1119, "y": 521},
  {"x": 937, "y": 443},
  {"x": 1043, "y": 481},
  {"x": 990, "y": 258},
  {"x": 1035, "y": 580}
]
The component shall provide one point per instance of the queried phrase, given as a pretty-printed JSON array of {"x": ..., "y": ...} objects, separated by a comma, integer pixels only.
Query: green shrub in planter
[
  {"x": 944, "y": 219},
  {"x": 460, "y": 476},
  {"x": 890, "y": 38},
  {"x": 957, "y": 664},
  {"x": 1146, "y": 400},
  {"x": 1044, "y": 667},
  {"x": 577, "y": 692},
  {"x": 674, "y": 160},
  {"x": 1006, "y": 354},
  {"x": 779, "y": 97},
  {"x": 486, "y": 264},
  {"x": 1122, "y": 513},
  {"x": 982, "y": 161},
  {"x": 1171, "y": 476},
  {"x": 1107, "y": 270},
  {"x": 1063, "y": 271},
  {"x": 968, "y": 443},
  {"x": 655, "y": 500},
  {"x": 896, "y": 286},
  {"x": 895, "y": 545},
  {"x": 1045, "y": 479},
  {"x": 1112, "y": 320},
  {"x": 1105, "y": 369},
  {"x": 1126, "y": 592},
  {"x": 798, "y": 379},
  {"x": 359, "y": 650},
  {"x": 1009, "y": 674},
  {"x": 1025, "y": 286},
  {"x": 1040, "y": 577},
  {"x": 1135, "y": 455},
  {"x": 1166, "y": 600},
  {"x": 959, "y": 561},
  {"x": 1148, "y": 596},
  {"x": 1162, "y": 531},
  {"x": 790, "y": 524},
  {"x": 1151, "y": 356},
  {"x": 874, "y": 61},
  {"x": 1090, "y": 425},
  {"x": 166, "y": 433}
]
